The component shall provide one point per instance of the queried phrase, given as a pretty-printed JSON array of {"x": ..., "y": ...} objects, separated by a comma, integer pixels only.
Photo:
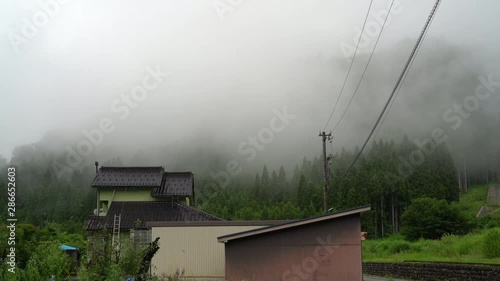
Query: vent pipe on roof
[{"x": 96, "y": 166}]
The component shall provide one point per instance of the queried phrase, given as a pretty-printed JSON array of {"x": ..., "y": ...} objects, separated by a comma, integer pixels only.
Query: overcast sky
[{"x": 227, "y": 70}]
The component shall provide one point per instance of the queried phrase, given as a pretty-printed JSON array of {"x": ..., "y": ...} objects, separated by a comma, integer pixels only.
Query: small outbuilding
[
  {"x": 73, "y": 253},
  {"x": 326, "y": 247},
  {"x": 191, "y": 247}
]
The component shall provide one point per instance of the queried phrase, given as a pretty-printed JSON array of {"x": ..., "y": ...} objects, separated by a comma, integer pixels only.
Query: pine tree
[{"x": 265, "y": 183}]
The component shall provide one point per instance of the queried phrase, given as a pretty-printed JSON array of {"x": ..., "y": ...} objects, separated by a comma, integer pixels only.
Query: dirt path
[{"x": 494, "y": 195}]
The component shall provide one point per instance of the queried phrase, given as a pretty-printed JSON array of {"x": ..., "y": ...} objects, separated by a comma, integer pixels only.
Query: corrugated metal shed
[{"x": 193, "y": 246}]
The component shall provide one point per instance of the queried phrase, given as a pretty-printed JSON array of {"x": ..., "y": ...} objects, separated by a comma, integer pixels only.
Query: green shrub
[
  {"x": 399, "y": 247},
  {"x": 491, "y": 243},
  {"x": 383, "y": 246},
  {"x": 431, "y": 219},
  {"x": 489, "y": 221},
  {"x": 448, "y": 245},
  {"x": 415, "y": 247},
  {"x": 469, "y": 244},
  {"x": 130, "y": 257},
  {"x": 48, "y": 261}
]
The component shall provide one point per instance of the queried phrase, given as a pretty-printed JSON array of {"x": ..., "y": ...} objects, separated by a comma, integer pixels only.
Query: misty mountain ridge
[{"x": 442, "y": 75}]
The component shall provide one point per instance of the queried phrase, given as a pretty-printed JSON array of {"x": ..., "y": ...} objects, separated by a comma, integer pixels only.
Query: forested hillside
[
  {"x": 380, "y": 179},
  {"x": 387, "y": 177}
]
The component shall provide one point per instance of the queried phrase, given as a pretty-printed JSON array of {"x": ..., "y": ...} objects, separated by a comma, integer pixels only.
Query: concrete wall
[
  {"x": 194, "y": 249},
  {"x": 328, "y": 250},
  {"x": 433, "y": 271}
]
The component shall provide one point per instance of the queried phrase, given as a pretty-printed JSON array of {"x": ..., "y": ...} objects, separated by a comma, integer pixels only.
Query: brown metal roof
[
  {"x": 128, "y": 176},
  {"x": 175, "y": 183},
  {"x": 137, "y": 214},
  {"x": 258, "y": 231}
]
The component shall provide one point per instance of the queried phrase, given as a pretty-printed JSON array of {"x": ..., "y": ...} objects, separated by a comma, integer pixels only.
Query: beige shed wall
[{"x": 194, "y": 249}]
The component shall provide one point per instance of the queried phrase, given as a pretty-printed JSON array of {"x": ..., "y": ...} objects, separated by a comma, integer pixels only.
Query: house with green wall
[
  {"x": 129, "y": 197},
  {"x": 136, "y": 184}
]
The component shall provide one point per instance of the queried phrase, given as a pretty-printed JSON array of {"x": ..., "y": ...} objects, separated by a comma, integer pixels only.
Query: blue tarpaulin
[{"x": 68, "y": 248}]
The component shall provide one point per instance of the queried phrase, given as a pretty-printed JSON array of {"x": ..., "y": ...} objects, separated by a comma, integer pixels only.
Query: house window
[
  {"x": 140, "y": 236},
  {"x": 104, "y": 207}
]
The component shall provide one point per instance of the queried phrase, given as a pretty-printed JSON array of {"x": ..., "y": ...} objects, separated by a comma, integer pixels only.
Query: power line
[
  {"x": 366, "y": 67},
  {"x": 399, "y": 89},
  {"x": 408, "y": 62},
  {"x": 350, "y": 66}
]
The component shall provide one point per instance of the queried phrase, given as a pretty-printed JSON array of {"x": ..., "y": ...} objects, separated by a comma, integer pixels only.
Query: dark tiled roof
[
  {"x": 128, "y": 176},
  {"x": 178, "y": 183},
  {"x": 96, "y": 222},
  {"x": 132, "y": 212}
]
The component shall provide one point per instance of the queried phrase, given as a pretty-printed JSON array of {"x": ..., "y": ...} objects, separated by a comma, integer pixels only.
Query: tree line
[{"x": 388, "y": 177}]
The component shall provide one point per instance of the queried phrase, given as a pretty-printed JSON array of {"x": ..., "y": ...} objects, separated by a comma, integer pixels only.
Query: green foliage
[
  {"x": 390, "y": 246},
  {"x": 472, "y": 200},
  {"x": 379, "y": 179},
  {"x": 491, "y": 243},
  {"x": 112, "y": 274},
  {"x": 29, "y": 237},
  {"x": 47, "y": 198},
  {"x": 99, "y": 264},
  {"x": 399, "y": 246},
  {"x": 430, "y": 219},
  {"x": 130, "y": 257},
  {"x": 450, "y": 248},
  {"x": 489, "y": 221},
  {"x": 48, "y": 261},
  {"x": 470, "y": 203}
]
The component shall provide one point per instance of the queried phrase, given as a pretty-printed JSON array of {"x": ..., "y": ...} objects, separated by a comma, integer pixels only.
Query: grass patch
[
  {"x": 479, "y": 246},
  {"x": 451, "y": 248},
  {"x": 472, "y": 200}
]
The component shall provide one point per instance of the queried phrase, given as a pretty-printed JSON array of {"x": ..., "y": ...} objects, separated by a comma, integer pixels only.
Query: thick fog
[{"x": 187, "y": 83}]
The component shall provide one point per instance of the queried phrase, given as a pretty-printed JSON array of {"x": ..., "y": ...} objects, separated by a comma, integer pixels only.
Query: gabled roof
[
  {"x": 128, "y": 176},
  {"x": 297, "y": 223},
  {"x": 137, "y": 214},
  {"x": 175, "y": 183}
]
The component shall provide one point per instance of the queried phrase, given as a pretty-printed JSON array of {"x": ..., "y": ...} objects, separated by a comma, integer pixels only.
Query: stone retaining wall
[{"x": 433, "y": 271}]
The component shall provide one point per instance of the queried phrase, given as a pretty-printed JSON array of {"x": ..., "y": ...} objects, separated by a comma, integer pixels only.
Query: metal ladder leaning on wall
[{"x": 115, "y": 241}]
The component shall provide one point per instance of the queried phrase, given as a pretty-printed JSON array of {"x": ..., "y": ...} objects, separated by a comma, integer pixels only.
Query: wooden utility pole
[{"x": 324, "y": 137}]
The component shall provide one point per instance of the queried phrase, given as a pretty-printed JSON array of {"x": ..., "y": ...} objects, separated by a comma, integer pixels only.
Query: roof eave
[{"x": 238, "y": 235}]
